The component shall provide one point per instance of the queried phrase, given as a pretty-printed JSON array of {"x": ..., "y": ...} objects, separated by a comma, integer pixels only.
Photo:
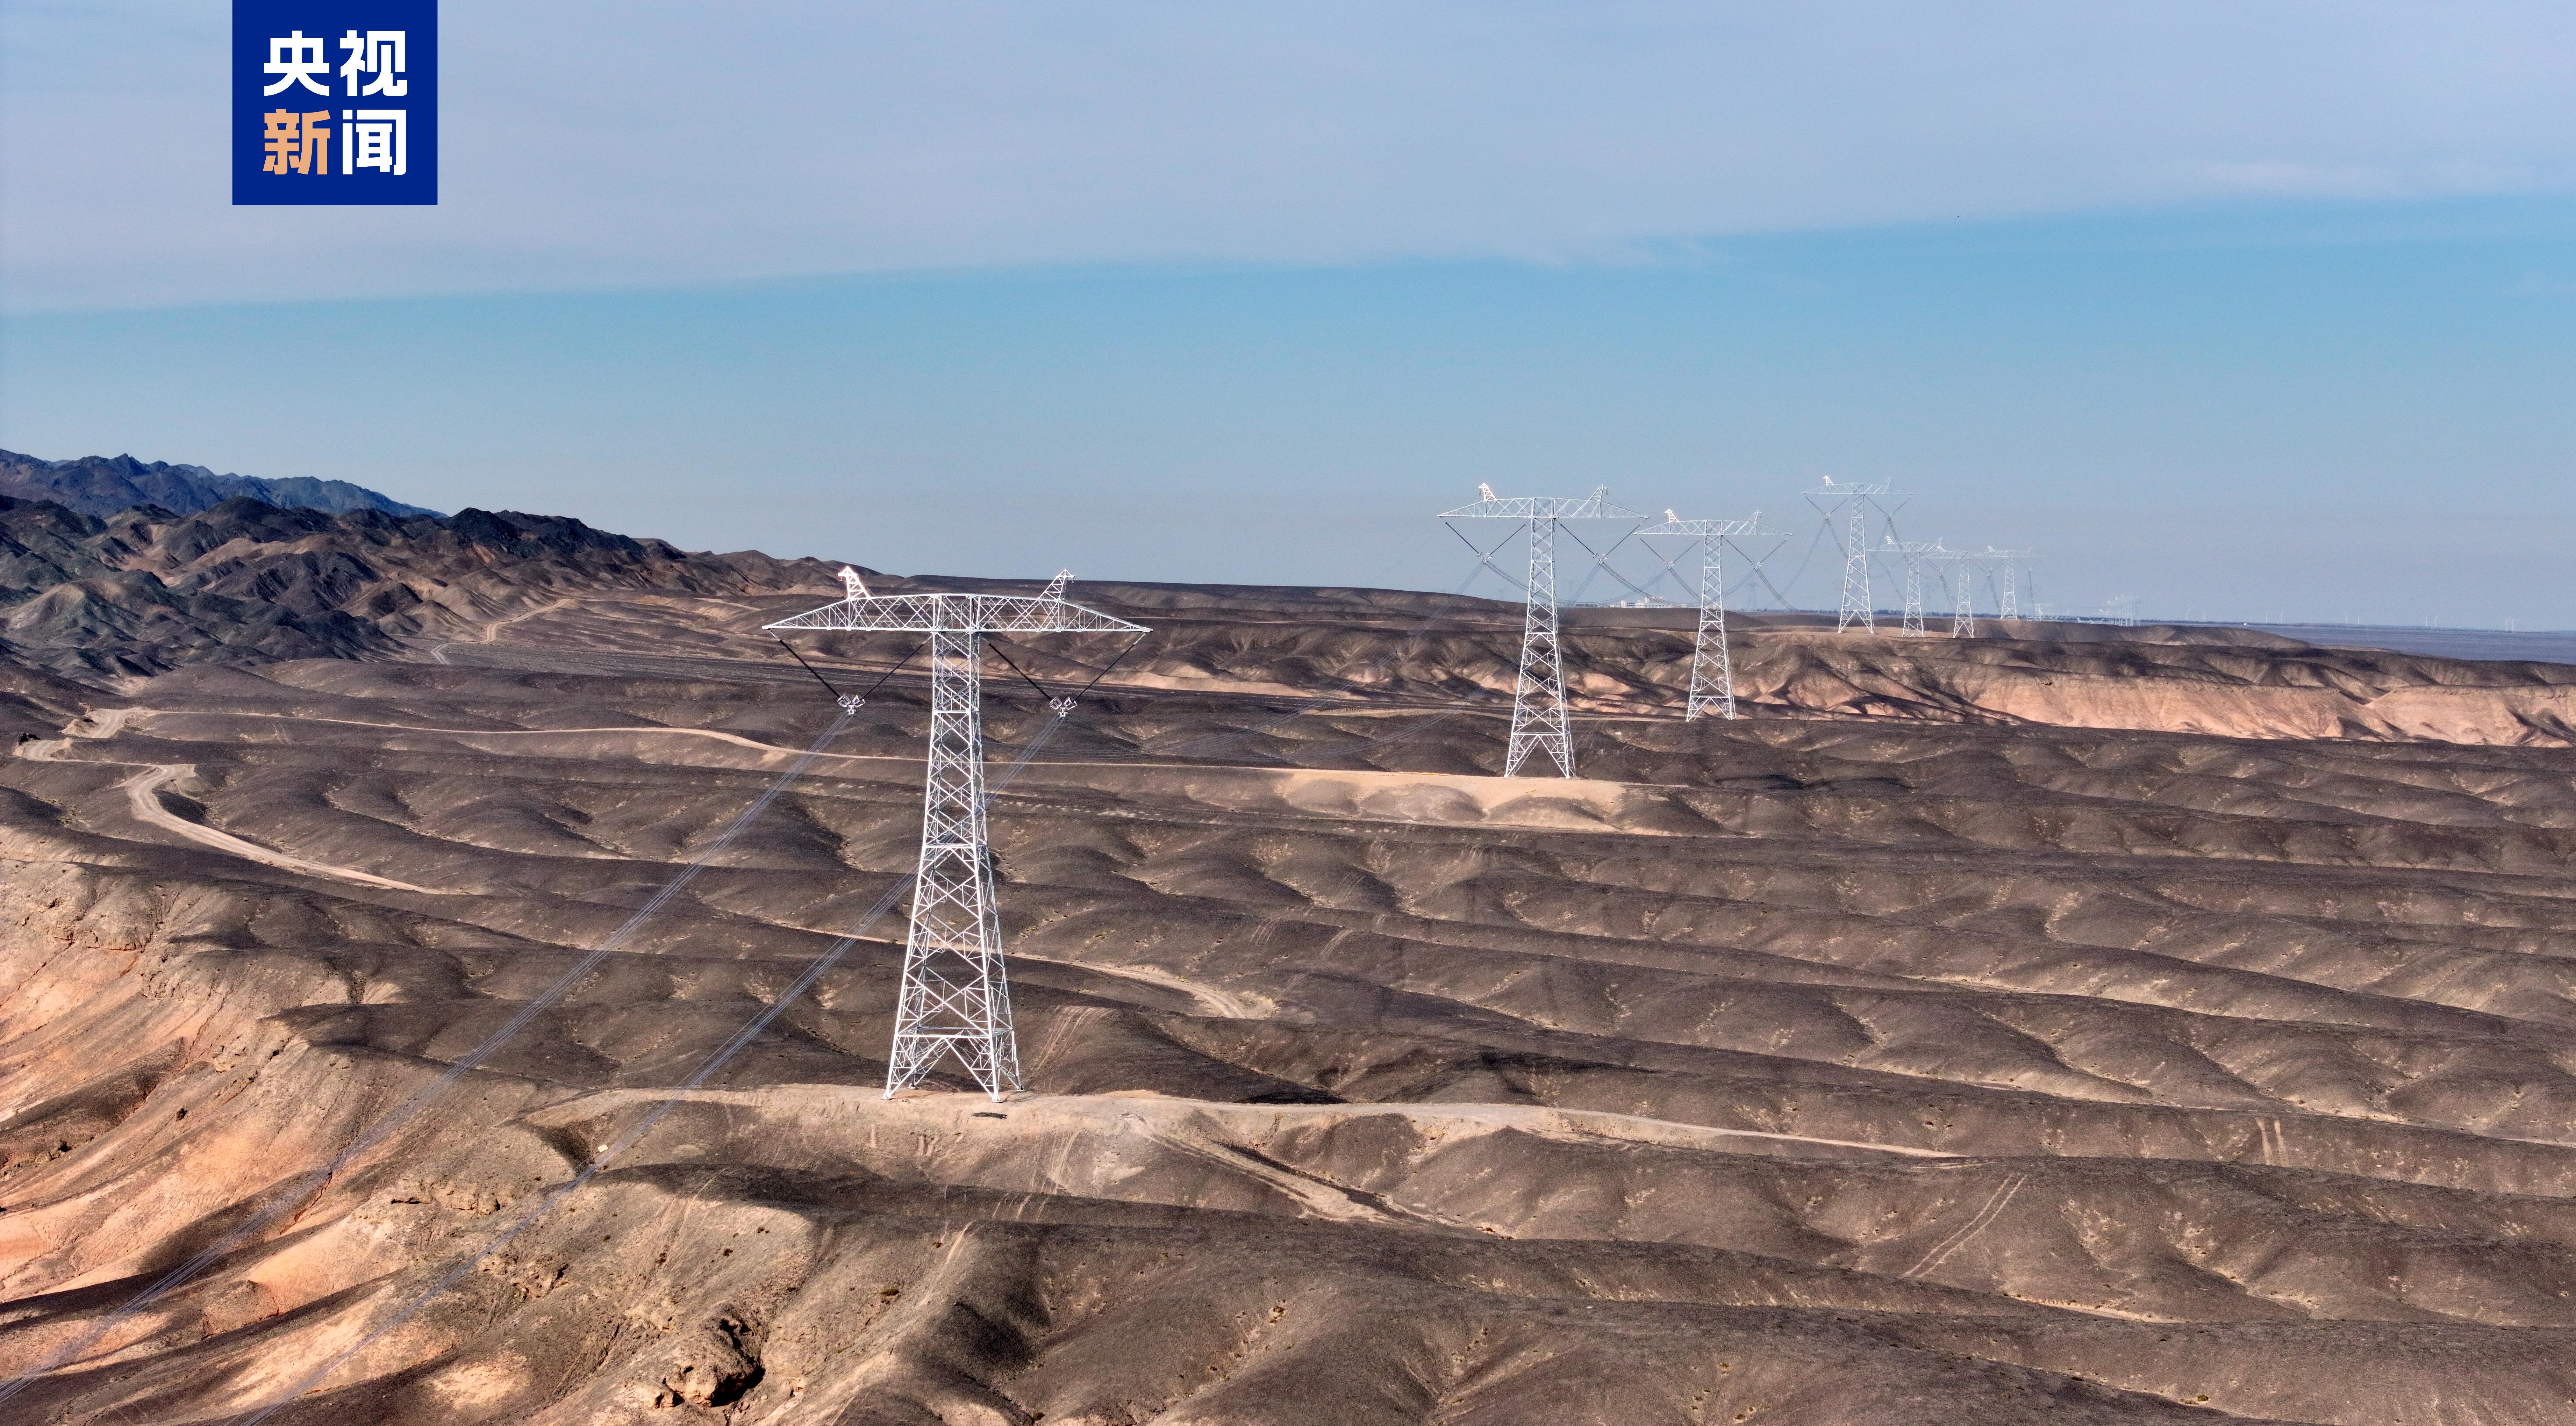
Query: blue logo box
[{"x": 335, "y": 101}]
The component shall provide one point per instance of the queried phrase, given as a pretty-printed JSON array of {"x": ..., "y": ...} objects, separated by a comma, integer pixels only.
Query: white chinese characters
[
  {"x": 380, "y": 54},
  {"x": 299, "y": 58},
  {"x": 298, "y": 144},
  {"x": 373, "y": 138}
]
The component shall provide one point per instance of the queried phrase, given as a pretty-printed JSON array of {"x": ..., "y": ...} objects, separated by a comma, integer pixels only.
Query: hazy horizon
[{"x": 2239, "y": 310}]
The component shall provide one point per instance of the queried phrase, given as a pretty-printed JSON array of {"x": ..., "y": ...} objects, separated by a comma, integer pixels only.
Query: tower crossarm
[
  {"x": 1835, "y": 489},
  {"x": 1595, "y": 506},
  {"x": 1673, "y": 524},
  {"x": 979, "y": 613}
]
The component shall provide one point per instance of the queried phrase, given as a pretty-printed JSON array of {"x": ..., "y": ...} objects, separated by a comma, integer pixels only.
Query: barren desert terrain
[{"x": 2080, "y": 1026}]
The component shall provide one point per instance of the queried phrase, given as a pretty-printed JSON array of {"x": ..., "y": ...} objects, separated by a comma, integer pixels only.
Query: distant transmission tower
[
  {"x": 2007, "y": 568},
  {"x": 1913, "y": 553},
  {"x": 1538, "y": 696},
  {"x": 1846, "y": 510},
  {"x": 1962, "y": 586},
  {"x": 956, "y": 996},
  {"x": 1712, "y": 671}
]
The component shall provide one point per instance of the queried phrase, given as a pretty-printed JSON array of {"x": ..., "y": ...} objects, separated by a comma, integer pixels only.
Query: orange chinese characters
[{"x": 298, "y": 143}]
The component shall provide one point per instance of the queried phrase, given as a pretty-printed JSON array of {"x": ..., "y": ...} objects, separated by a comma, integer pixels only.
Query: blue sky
[{"x": 2256, "y": 309}]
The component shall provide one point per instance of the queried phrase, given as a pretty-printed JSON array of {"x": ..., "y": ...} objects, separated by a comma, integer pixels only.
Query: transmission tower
[
  {"x": 956, "y": 996},
  {"x": 1912, "y": 554},
  {"x": 1538, "y": 695},
  {"x": 1846, "y": 510},
  {"x": 1962, "y": 589},
  {"x": 1712, "y": 671},
  {"x": 2007, "y": 567}
]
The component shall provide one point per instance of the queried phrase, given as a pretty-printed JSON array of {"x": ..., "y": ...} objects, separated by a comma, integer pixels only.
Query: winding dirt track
[
  {"x": 143, "y": 794},
  {"x": 491, "y": 629}
]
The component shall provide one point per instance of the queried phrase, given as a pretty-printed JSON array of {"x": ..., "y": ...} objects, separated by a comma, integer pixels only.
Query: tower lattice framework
[
  {"x": 1958, "y": 579},
  {"x": 1538, "y": 695},
  {"x": 2007, "y": 567},
  {"x": 1539, "y": 714},
  {"x": 956, "y": 994},
  {"x": 1712, "y": 669},
  {"x": 1849, "y": 506},
  {"x": 1914, "y": 553}
]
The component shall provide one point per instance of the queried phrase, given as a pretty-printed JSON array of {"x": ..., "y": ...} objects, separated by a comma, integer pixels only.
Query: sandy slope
[{"x": 2070, "y": 1040}]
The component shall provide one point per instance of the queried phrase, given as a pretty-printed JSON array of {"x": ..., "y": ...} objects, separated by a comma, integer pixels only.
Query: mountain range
[
  {"x": 103, "y": 485},
  {"x": 90, "y": 598}
]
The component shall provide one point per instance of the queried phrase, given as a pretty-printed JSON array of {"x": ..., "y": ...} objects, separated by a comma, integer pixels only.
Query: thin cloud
[{"x": 661, "y": 142}]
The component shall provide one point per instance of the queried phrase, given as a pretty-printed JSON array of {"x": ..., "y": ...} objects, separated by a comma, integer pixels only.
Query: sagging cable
[
  {"x": 1061, "y": 706},
  {"x": 818, "y": 676}
]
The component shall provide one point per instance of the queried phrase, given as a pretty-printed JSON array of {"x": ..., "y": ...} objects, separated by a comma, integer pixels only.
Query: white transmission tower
[
  {"x": 1846, "y": 509},
  {"x": 1962, "y": 587},
  {"x": 1538, "y": 696},
  {"x": 1912, "y": 554},
  {"x": 2008, "y": 568},
  {"x": 956, "y": 996},
  {"x": 1712, "y": 671}
]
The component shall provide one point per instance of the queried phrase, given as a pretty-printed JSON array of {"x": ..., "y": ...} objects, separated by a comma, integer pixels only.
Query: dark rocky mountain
[
  {"x": 103, "y": 485},
  {"x": 148, "y": 589}
]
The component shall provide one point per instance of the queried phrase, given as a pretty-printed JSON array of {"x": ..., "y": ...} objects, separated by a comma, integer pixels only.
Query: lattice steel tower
[
  {"x": 1852, "y": 503},
  {"x": 2010, "y": 565},
  {"x": 1538, "y": 696},
  {"x": 1962, "y": 588},
  {"x": 1712, "y": 671},
  {"x": 956, "y": 996},
  {"x": 1912, "y": 553}
]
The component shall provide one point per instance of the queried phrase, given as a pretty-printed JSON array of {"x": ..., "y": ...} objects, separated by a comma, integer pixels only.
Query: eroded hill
[{"x": 2023, "y": 1030}]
